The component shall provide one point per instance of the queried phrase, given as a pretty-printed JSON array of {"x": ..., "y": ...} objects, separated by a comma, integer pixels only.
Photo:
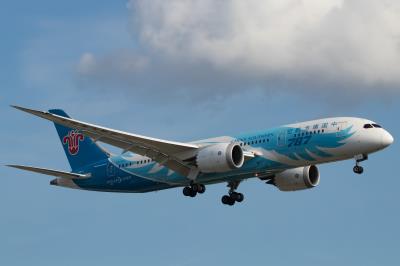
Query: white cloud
[
  {"x": 326, "y": 45},
  {"x": 86, "y": 63},
  {"x": 122, "y": 62}
]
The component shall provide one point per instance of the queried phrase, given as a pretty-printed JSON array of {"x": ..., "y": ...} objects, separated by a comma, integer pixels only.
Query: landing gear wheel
[
  {"x": 187, "y": 191},
  {"x": 231, "y": 202},
  {"x": 239, "y": 197},
  {"x": 193, "y": 193},
  {"x": 227, "y": 200},
  {"x": 194, "y": 187},
  {"x": 232, "y": 196},
  {"x": 201, "y": 188},
  {"x": 359, "y": 158},
  {"x": 358, "y": 169}
]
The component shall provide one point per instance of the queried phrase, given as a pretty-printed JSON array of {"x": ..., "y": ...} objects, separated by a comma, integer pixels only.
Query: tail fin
[{"x": 80, "y": 150}]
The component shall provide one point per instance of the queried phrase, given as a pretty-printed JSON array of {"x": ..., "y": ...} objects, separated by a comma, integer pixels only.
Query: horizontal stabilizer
[{"x": 51, "y": 172}]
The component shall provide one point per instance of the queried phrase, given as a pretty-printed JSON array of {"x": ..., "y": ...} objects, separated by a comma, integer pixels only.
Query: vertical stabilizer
[{"x": 79, "y": 149}]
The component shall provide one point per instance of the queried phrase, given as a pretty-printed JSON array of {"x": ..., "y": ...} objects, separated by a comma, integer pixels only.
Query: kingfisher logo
[{"x": 72, "y": 140}]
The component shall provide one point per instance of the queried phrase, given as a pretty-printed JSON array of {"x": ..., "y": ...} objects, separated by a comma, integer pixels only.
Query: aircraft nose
[{"x": 387, "y": 139}]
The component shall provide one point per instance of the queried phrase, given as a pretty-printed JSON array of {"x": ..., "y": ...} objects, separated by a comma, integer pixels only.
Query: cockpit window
[
  {"x": 376, "y": 125},
  {"x": 368, "y": 126}
]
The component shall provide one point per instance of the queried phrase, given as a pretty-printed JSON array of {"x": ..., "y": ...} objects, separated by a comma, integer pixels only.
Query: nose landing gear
[{"x": 359, "y": 158}]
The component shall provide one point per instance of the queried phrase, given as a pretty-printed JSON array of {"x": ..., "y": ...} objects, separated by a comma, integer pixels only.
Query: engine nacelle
[
  {"x": 297, "y": 178},
  {"x": 218, "y": 158}
]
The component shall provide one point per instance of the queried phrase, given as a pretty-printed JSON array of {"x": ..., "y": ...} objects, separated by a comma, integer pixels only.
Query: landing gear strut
[
  {"x": 232, "y": 196},
  {"x": 193, "y": 189},
  {"x": 359, "y": 158}
]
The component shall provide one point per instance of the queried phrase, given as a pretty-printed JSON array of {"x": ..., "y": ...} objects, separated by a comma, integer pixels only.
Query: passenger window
[{"x": 367, "y": 126}]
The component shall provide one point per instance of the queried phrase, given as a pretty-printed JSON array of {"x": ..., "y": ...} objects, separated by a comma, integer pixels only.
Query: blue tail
[{"x": 80, "y": 150}]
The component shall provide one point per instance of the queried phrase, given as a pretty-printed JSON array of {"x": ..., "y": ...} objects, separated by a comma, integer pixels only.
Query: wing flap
[{"x": 51, "y": 172}]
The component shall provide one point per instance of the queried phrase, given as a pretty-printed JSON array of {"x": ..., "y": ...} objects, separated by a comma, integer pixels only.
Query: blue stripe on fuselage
[
  {"x": 122, "y": 173},
  {"x": 116, "y": 179}
]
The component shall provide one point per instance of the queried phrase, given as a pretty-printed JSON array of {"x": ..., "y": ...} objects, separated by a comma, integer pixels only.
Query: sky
[{"x": 185, "y": 70}]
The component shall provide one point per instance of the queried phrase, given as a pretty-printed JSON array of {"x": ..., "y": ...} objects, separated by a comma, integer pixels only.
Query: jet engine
[
  {"x": 221, "y": 157},
  {"x": 296, "y": 179}
]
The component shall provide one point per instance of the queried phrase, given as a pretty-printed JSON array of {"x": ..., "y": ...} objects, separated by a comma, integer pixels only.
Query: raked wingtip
[
  {"x": 11, "y": 165},
  {"x": 21, "y": 108},
  {"x": 30, "y": 111}
]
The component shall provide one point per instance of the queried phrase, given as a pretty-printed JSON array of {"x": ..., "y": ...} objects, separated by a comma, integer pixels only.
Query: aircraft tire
[
  {"x": 358, "y": 169},
  {"x": 239, "y": 197},
  {"x": 201, "y": 188},
  {"x": 225, "y": 199},
  {"x": 187, "y": 191},
  {"x": 193, "y": 193}
]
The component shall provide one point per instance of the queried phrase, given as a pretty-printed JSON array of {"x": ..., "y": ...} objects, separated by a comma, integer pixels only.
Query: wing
[
  {"x": 51, "y": 172},
  {"x": 168, "y": 153}
]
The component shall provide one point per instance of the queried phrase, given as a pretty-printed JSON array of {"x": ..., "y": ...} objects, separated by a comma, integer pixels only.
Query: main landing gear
[
  {"x": 232, "y": 196},
  {"x": 359, "y": 158},
  {"x": 193, "y": 189}
]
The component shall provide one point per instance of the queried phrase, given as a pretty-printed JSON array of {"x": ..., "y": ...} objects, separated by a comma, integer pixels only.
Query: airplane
[{"x": 285, "y": 157}]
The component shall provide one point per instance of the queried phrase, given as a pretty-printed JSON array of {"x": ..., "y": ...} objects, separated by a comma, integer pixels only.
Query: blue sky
[{"x": 129, "y": 67}]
